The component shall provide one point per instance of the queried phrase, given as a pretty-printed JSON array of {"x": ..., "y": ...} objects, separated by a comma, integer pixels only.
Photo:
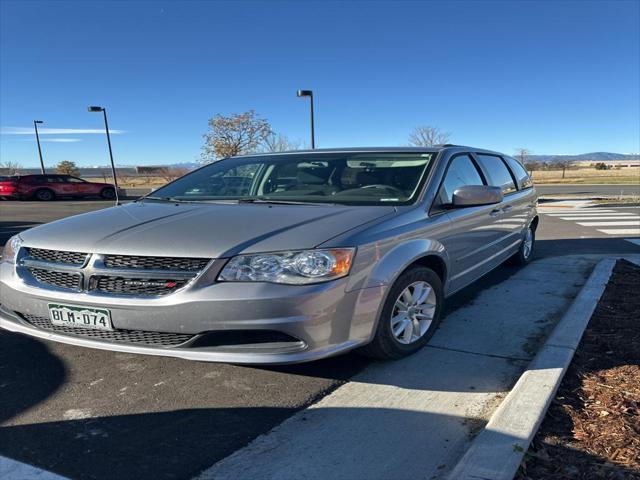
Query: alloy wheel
[{"x": 413, "y": 312}]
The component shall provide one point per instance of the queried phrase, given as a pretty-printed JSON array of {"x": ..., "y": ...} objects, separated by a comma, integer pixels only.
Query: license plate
[{"x": 80, "y": 317}]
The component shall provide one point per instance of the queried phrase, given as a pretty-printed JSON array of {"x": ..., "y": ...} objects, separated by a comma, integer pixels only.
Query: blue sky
[{"x": 555, "y": 77}]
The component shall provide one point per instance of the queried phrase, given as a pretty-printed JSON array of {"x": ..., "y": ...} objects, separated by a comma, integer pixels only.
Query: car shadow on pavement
[
  {"x": 176, "y": 444},
  {"x": 345, "y": 366},
  {"x": 29, "y": 374}
]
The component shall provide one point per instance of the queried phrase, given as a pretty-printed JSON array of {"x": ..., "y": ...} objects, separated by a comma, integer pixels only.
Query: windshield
[{"x": 360, "y": 178}]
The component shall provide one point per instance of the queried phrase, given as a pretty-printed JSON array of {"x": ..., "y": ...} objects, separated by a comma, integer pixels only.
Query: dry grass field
[
  {"x": 540, "y": 177},
  {"x": 588, "y": 175},
  {"x": 126, "y": 181}
]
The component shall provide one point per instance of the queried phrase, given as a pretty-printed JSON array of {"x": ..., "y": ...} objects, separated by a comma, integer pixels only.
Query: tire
[
  {"x": 525, "y": 253},
  {"x": 108, "y": 193},
  {"x": 388, "y": 346},
  {"x": 44, "y": 195}
]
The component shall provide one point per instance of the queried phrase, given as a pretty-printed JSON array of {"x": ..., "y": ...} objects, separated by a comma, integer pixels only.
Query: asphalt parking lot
[{"x": 93, "y": 414}]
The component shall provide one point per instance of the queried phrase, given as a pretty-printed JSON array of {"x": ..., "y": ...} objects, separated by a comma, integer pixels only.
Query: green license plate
[{"x": 80, "y": 317}]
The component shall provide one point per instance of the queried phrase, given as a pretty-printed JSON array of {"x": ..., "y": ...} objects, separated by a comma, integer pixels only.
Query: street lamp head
[
  {"x": 38, "y": 121},
  {"x": 95, "y": 109},
  {"x": 305, "y": 93}
]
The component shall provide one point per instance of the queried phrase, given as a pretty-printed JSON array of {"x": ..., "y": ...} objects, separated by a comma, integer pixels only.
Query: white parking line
[
  {"x": 634, "y": 223},
  {"x": 620, "y": 231}
]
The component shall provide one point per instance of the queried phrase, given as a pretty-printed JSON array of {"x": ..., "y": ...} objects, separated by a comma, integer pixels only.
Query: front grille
[
  {"x": 155, "y": 263},
  {"x": 57, "y": 279},
  {"x": 57, "y": 256},
  {"x": 136, "y": 286},
  {"x": 158, "y": 339},
  {"x": 136, "y": 275}
]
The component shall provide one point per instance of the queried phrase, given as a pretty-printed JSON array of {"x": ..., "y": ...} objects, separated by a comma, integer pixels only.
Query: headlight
[
  {"x": 11, "y": 249},
  {"x": 294, "y": 268}
]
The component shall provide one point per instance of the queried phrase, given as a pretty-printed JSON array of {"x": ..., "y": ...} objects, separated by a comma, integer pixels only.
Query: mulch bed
[{"x": 592, "y": 428}]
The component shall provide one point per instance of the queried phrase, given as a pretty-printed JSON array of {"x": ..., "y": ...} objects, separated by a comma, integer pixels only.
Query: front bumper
[{"x": 324, "y": 318}]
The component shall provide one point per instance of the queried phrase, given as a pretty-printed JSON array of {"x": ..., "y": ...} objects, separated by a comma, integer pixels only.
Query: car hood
[{"x": 200, "y": 230}]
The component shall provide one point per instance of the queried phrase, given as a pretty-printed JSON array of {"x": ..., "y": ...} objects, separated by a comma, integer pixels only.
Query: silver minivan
[{"x": 276, "y": 258}]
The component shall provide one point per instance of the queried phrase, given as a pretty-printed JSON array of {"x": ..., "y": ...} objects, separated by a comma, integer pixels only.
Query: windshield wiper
[
  {"x": 164, "y": 199},
  {"x": 279, "y": 202}
]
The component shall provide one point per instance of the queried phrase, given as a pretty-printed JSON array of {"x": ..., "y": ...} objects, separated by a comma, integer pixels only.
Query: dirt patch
[{"x": 592, "y": 429}]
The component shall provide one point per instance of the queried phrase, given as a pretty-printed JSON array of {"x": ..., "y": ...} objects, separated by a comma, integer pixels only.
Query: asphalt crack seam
[{"x": 505, "y": 357}]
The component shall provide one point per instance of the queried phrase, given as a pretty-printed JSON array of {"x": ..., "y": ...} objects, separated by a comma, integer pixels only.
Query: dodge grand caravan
[{"x": 276, "y": 258}]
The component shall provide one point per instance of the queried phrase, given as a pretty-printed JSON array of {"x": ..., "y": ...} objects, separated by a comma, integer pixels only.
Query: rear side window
[
  {"x": 497, "y": 173},
  {"x": 34, "y": 179},
  {"x": 462, "y": 171},
  {"x": 524, "y": 181}
]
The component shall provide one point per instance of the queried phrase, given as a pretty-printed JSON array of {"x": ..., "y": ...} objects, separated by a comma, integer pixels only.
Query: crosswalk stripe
[
  {"x": 620, "y": 231},
  {"x": 576, "y": 219},
  {"x": 542, "y": 209},
  {"x": 590, "y": 214},
  {"x": 610, "y": 224}
]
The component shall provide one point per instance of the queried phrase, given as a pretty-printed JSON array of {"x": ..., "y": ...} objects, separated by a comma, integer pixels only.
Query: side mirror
[{"x": 474, "y": 195}]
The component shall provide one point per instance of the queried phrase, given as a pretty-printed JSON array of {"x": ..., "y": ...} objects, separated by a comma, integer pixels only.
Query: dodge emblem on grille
[{"x": 144, "y": 283}]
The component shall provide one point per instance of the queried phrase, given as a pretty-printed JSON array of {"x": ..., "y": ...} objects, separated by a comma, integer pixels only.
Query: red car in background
[{"x": 48, "y": 187}]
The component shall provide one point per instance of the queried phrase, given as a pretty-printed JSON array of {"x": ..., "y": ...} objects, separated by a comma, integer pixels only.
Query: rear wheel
[
  {"x": 410, "y": 315},
  {"x": 108, "y": 193},
  {"x": 44, "y": 195},
  {"x": 525, "y": 252}
]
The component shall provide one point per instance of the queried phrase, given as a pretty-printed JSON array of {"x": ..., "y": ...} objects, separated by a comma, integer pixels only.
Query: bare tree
[
  {"x": 169, "y": 174},
  {"x": 67, "y": 167},
  {"x": 236, "y": 134},
  {"x": 427, "y": 136},
  {"x": 522, "y": 154},
  {"x": 10, "y": 167},
  {"x": 564, "y": 164},
  {"x": 277, "y": 142}
]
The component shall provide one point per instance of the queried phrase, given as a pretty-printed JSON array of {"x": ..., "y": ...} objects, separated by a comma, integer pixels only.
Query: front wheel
[
  {"x": 410, "y": 315},
  {"x": 108, "y": 193},
  {"x": 44, "y": 195},
  {"x": 525, "y": 253}
]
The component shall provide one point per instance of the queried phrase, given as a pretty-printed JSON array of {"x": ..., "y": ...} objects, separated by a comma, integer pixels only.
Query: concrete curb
[{"x": 496, "y": 453}]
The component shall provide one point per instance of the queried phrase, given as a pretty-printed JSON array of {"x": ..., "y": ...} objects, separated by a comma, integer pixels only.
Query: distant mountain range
[
  {"x": 97, "y": 171},
  {"x": 594, "y": 156}
]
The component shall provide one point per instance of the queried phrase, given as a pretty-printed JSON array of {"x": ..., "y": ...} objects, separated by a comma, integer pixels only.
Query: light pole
[
  {"x": 106, "y": 127},
  {"x": 35, "y": 125},
  {"x": 309, "y": 93}
]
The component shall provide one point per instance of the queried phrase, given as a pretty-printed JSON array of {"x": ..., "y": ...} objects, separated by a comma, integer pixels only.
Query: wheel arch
[
  {"x": 534, "y": 222},
  {"x": 426, "y": 253}
]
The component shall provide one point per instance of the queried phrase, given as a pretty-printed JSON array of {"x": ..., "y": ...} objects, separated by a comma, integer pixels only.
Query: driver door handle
[{"x": 495, "y": 212}]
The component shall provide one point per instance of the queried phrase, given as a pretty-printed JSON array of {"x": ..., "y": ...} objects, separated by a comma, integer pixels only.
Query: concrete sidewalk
[{"x": 415, "y": 418}]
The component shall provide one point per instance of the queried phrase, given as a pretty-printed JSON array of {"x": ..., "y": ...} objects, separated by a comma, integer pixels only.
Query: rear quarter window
[{"x": 524, "y": 181}]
